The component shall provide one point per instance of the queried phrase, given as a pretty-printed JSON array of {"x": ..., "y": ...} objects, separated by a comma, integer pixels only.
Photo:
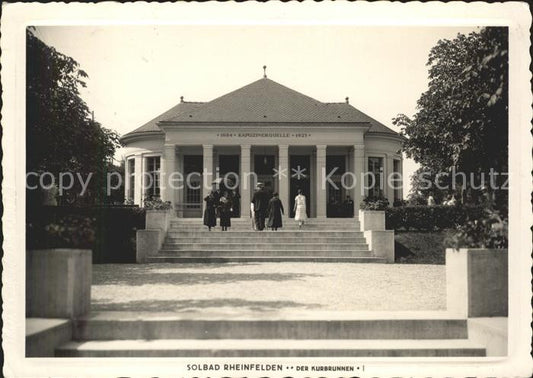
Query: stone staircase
[
  {"x": 122, "y": 334},
  {"x": 283, "y": 333},
  {"x": 319, "y": 240}
]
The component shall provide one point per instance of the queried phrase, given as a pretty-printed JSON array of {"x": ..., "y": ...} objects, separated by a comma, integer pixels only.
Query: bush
[
  {"x": 71, "y": 231},
  {"x": 400, "y": 202},
  {"x": 430, "y": 218},
  {"x": 156, "y": 204},
  {"x": 109, "y": 231},
  {"x": 374, "y": 203},
  {"x": 488, "y": 231}
]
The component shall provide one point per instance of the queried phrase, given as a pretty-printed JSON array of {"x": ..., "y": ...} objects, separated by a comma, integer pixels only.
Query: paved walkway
[{"x": 268, "y": 287}]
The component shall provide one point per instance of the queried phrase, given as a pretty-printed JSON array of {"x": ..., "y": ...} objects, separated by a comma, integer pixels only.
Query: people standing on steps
[
  {"x": 348, "y": 207},
  {"x": 260, "y": 201},
  {"x": 236, "y": 203},
  {"x": 210, "y": 215},
  {"x": 300, "y": 209},
  {"x": 225, "y": 210},
  {"x": 275, "y": 210}
]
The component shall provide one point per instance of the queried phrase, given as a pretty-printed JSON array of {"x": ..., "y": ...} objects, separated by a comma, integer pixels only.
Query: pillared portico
[{"x": 262, "y": 132}]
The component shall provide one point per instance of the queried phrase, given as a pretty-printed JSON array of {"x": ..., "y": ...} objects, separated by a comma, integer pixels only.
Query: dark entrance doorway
[
  {"x": 264, "y": 169},
  {"x": 228, "y": 169},
  {"x": 336, "y": 194},
  {"x": 300, "y": 174}
]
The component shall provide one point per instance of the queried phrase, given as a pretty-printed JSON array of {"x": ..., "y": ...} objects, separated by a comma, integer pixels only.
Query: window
[
  {"x": 397, "y": 184},
  {"x": 375, "y": 168},
  {"x": 193, "y": 166},
  {"x": 153, "y": 168},
  {"x": 131, "y": 179}
]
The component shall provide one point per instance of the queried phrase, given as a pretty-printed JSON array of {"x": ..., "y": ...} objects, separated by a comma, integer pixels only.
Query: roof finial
[
  {"x": 181, "y": 98},
  {"x": 265, "y": 72},
  {"x": 347, "y": 100}
]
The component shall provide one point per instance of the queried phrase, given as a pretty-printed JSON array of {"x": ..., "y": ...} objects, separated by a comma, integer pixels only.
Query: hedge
[
  {"x": 430, "y": 218},
  {"x": 110, "y": 231}
]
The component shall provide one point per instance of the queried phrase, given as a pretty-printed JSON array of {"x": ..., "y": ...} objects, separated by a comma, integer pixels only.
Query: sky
[{"x": 137, "y": 72}]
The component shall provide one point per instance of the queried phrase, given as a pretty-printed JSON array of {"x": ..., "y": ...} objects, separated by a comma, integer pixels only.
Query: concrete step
[
  {"x": 261, "y": 238},
  {"x": 251, "y": 256},
  {"x": 204, "y": 233},
  {"x": 252, "y": 245},
  {"x": 134, "y": 326},
  {"x": 291, "y": 226},
  {"x": 271, "y": 348},
  {"x": 43, "y": 335},
  {"x": 274, "y": 253},
  {"x": 247, "y": 219}
]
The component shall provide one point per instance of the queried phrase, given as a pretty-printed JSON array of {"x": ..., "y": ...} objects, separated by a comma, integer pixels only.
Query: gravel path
[{"x": 264, "y": 287}]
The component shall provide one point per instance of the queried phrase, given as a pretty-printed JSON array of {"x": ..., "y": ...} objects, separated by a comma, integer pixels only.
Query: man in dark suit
[
  {"x": 260, "y": 201},
  {"x": 348, "y": 207}
]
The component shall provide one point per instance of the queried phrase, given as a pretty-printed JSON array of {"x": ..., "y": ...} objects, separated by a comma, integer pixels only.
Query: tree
[
  {"x": 462, "y": 119},
  {"x": 61, "y": 135}
]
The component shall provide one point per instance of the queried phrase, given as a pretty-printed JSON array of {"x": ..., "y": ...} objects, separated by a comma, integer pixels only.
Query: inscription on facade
[{"x": 263, "y": 135}]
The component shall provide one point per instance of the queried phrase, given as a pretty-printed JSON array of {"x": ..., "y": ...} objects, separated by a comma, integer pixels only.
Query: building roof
[
  {"x": 151, "y": 126},
  {"x": 264, "y": 101}
]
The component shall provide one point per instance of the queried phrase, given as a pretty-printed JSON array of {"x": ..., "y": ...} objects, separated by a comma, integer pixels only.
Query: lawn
[{"x": 416, "y": 247}]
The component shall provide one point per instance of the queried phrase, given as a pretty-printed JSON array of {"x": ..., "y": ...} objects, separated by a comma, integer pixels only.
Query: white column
[
  {"x": 321, "y": 185},
  {"x": 126, "y": 178},
  {"x": 358, "y": 170},
  {"x": 283, "y": 177},
  {"x": 168, "y": 165},
  {"x": 207, "y": 176},
  {"x": 388, "y": 169},
  {"x": 245, "y": 188},
  {"x": 137, "y": 194}
]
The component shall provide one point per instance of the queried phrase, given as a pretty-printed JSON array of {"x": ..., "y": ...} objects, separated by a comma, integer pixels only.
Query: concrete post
[
  {"x": 477, "y": 282},
  {"x": 320, "y": 184},
  {"x": 58, "y": 283},
  {"x": 283, "y": 177},
  {"x": 245, "y": 181},
  {"x": 358, "y": 170},
  {"x": 372, "y": 220},
  {"x": 208, "y": 173},
  {"x": 381, "y": 243},
  {"x": 147, "y": 244}
]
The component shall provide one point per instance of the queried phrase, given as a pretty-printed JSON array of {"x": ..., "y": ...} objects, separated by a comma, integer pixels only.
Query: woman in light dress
[{"x": 300, "y": 211}]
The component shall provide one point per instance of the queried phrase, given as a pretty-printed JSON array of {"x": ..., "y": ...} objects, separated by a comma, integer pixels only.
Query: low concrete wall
[
  {"x": 477, "y": 282},
  {"x": 43, "y": 336},
  {"x": 381, "y": 243},
  {"x": 58, "y": 283},
  {"x": 372, "y": 220},
  {"x": 148, "y": 243},
  {"x": 491, "y": 333},
  {"x": 159, "y": 219}
]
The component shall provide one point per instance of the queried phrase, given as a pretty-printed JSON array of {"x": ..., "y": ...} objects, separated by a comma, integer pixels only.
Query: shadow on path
[
  {"x": 194, "y": 305},
  {"x": 138, "y": 277}
]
